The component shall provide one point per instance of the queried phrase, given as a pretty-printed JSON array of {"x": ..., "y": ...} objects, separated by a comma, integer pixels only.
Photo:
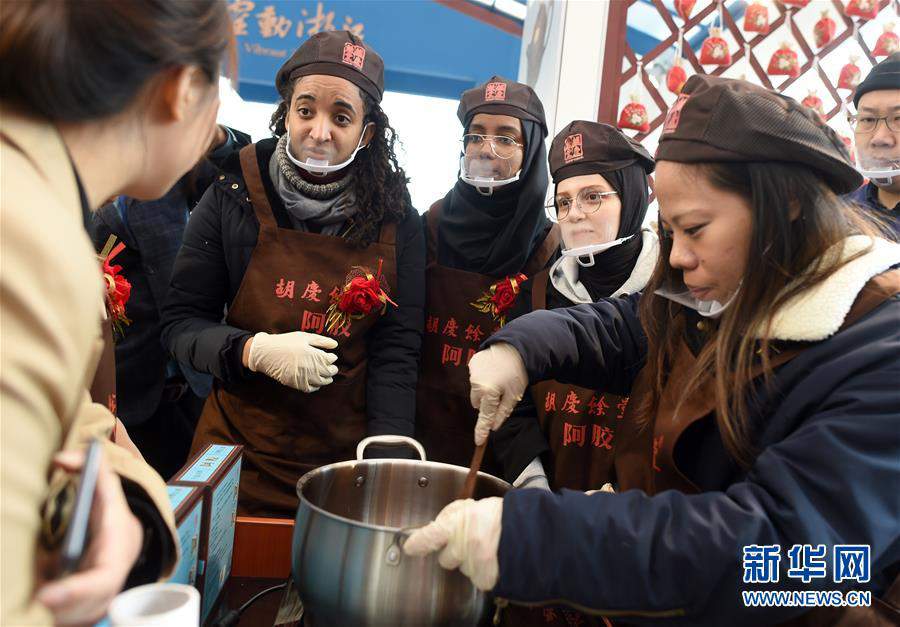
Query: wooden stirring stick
[{"x": 469, "y": 486}]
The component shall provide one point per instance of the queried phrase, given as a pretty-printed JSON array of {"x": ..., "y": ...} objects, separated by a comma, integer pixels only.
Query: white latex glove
[
  {"x": 606, "y": 487},
  {"x": 468, "y": 535},
  {"x": 498, "y": 379},
  {"x": 294, "y": 359}
]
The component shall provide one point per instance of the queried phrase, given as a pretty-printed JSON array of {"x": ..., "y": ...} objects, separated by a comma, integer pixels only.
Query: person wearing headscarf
[
  {"x": 310, "y": 243},
  {"x": 759, "y": 451},
  {"x": 600, "y": 179},
  {"x": 484, "y": 240}
]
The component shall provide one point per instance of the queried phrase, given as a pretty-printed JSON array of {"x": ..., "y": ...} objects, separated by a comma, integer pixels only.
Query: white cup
[{"x": 156, "y": 605}]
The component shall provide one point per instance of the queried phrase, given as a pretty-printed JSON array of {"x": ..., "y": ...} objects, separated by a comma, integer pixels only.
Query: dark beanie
[{"x": 885, "y": 75}]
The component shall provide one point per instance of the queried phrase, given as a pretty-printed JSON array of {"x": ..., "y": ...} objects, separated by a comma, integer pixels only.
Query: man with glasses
[
  {"x": 876, "y": 127},
  {"x": 486, "y": 239}
]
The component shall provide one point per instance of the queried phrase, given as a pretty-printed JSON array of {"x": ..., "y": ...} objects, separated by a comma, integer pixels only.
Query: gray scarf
[{"x": 326, "y": 207}]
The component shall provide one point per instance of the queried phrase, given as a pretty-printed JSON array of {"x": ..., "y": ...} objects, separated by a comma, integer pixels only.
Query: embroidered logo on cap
[
  {"x": 673, "y": 117},
  {"x": 354, "y": 55},
  {"x": 572, "y": 148},
  {"x": 495, "y": 91}
]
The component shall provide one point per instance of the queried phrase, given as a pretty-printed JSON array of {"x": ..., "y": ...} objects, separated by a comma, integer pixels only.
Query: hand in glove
[
  {"x": 498, "y": 378},
  {"x": 294, "y": 359},
  {"x": 468, "y": 535}
]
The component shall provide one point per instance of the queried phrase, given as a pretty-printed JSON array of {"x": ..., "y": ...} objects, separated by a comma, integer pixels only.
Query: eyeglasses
[
  {"x": 588, "y": 200},
  {"x": 502, "y": 146},
  {"x": 868, "y": 123}
]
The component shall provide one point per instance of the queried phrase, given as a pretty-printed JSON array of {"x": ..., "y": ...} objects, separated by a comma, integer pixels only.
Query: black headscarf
[
  {"x": 613, "y": 267},
  {"x": 496, "y": 234}
]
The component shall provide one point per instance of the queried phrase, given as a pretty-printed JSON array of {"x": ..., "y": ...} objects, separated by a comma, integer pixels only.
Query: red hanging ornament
[
  {"x": 815, "y": 103},
  {"x": 756, "y": 18},
  {"x": 850, "y": 74},
  {"x": 824, "y": 30},
  {"x": 684, "y": 8},
  {"x": 865, "y": 9},
  {"x": 888, "y": 43},
  {"x": 794, "y": 3},
  {"x": 676, "y": 77},
  {"x": 714, "y": 50},
  {"x": 784, "y": 62},
  {"x": 634, "y": 116}
]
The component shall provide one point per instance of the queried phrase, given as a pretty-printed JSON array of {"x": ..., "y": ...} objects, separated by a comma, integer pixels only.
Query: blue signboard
[{"x": 428, "y": 47}]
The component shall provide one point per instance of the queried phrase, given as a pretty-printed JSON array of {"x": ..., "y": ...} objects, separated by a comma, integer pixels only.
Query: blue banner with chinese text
[{"x": 428, "y": 48}]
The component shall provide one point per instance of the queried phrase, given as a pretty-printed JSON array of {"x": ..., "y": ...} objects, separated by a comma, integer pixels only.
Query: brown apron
[
  {"x": 287, "y": 287},
  {"x": 454, "y": 329},
  {"x": 645, "y": 459},
  {"x": 580, "y": 425}
]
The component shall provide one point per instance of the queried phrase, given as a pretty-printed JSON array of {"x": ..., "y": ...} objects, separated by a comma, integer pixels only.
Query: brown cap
[
  {"x": 501, "y": 97},
  {"x": 335, "y": 53},
  {"x": 721, "y": 119},
  {"x": 593, "y": 148}
]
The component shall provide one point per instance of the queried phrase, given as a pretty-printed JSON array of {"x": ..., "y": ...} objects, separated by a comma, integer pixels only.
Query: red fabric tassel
[
  {"x": 850, "y": 75},
  {"x": 824, "y": 30},
  {"x": 888, "y": 43},
  {"x": 684, "y": 8},
  {"x": 714, "y": 50},
  {"x": 634, "y": 116},
  {"x": 784, "y": 62},
  {"x": 864, "y": 9},
  {"x": 756, "y": 18}
]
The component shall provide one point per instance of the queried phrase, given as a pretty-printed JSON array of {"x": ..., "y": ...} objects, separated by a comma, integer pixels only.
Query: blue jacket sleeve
[
  {"x": 831, "y": 479},
  {"x": 193, "y": 328},
  {"x": 595, "y": 345},
  {"x": 393, "y": 350}
]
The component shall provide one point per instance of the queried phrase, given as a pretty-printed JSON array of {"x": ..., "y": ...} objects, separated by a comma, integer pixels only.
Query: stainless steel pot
[{"x": 353, "y": 517}]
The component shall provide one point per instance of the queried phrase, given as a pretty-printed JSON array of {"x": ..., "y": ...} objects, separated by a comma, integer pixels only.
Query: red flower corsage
[
  {"x": 362, "y": 293},
  {"x": 500, "y": 297},
  {"x": 118, "y": 288}
]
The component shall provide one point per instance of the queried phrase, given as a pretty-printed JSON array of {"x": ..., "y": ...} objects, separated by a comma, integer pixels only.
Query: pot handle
[{"x": 389, "y": 439}]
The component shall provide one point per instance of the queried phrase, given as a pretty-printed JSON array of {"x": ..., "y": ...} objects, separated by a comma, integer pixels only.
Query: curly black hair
[{"x": 380, "y": 183}]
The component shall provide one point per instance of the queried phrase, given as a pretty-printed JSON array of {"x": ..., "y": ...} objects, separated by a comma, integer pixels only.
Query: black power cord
[{"x": 232, "y": 617}]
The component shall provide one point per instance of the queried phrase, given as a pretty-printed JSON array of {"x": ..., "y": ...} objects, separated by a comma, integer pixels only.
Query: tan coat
[{"x": 50, "y": 314}]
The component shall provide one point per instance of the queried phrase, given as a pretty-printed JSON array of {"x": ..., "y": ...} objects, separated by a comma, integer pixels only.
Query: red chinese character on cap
[
  {"x": 495, "y": 91},
  {"x": 354, "y": 55},
  {"x": 572, "y": 148},
  {"x": 674, "y": 115}
]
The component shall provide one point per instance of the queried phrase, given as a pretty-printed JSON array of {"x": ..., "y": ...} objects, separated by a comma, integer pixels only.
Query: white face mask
[
  {"x": 706, "y": 308},
  {"x": 480, "y": 175},
  {"x": 882, "y": 172},
  {"x": 321, "y": 167},
  {"x": 584, "y": 255}
]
